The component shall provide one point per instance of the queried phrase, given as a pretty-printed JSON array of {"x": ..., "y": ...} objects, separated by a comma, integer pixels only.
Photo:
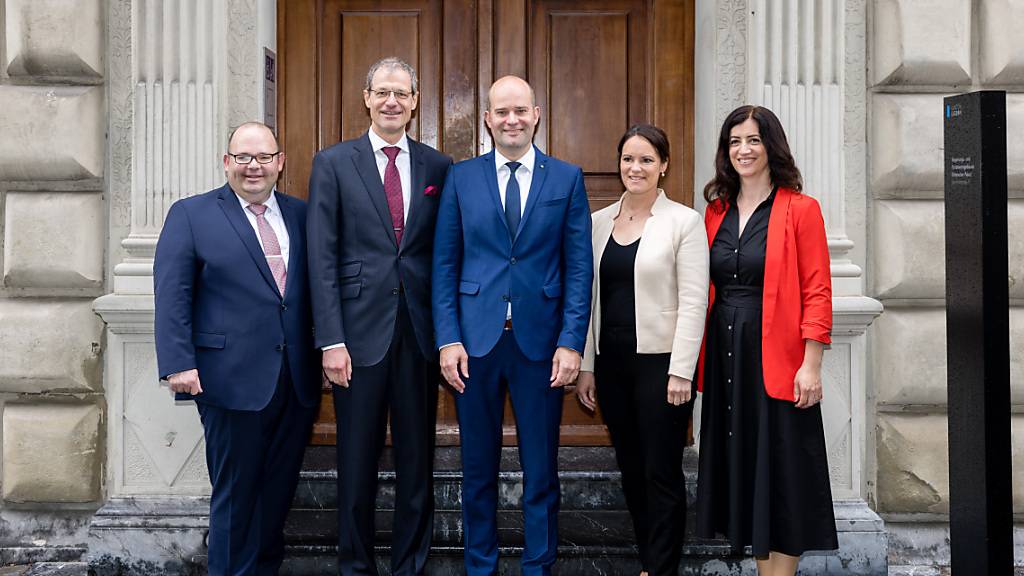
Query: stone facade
[
  {"x": 53, "y": 229},
  {"x": 920, "y": 52}
]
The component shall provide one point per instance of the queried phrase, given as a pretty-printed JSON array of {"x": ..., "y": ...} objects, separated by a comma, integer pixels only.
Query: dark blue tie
[{"x": 512, "y": 202}]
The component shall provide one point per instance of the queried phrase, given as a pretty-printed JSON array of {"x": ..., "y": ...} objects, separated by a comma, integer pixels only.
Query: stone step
[{"x": 699, "y": 558}]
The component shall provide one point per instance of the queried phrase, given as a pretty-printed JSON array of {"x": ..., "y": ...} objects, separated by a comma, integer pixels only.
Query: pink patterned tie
[
  {"x": 271, "y": 247},
  {"x": 393, "y": 190}
]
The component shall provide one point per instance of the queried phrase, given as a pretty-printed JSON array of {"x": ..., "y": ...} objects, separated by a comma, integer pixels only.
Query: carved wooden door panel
[{"x": 597, "y": 66}]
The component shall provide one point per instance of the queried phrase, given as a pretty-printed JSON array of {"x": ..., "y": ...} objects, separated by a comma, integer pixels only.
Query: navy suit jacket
[
  {"x": 545, "y": 271},
  {"x": 218, "y": 308},
  {"x": 357, "y": 268}
]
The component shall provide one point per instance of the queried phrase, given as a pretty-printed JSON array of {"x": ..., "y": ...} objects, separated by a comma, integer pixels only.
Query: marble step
[{"x": 698, "y": 558}]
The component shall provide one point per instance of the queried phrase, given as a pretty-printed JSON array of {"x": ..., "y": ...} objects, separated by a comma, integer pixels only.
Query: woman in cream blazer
[{"x": 647, "y": 323}]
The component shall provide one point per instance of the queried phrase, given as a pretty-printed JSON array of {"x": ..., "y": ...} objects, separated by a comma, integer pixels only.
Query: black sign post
[{"x": 977, "y": 335}]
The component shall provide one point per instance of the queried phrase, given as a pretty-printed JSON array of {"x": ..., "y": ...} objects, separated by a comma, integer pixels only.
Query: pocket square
[{"x": 430, "y": 191}]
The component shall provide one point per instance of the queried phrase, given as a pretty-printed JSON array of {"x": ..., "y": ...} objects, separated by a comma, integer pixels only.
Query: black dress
[{"x": 763, "y": 476}]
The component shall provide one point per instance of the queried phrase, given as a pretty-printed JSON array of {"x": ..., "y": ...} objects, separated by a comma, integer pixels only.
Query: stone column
[{"x": 181, "y": 73}]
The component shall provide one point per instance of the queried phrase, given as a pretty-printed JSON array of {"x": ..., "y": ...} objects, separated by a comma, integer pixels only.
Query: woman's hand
[
  {"x": 679, "y": 390},
  {"x": 585, "y": 390},
  {"x": 807, "y": 383}
]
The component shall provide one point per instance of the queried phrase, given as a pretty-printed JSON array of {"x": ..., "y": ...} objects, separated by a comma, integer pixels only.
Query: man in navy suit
[
  {"x": 512, "y": 279},
  {"x": 373, "y": 205},
  {"x": 234, "y": 333}
]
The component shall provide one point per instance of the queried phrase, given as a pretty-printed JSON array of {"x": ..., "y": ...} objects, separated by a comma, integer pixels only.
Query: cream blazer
[{"x": 670, "y": 280}]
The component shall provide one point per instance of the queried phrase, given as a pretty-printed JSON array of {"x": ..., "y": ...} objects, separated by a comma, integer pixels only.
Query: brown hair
[
  {"x": 656, "y": 136},
  {"x": 782, "y": 170}
]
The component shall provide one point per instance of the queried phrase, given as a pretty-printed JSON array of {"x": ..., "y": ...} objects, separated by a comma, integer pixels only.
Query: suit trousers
[
  {"x": 402, "y": 386},
  {"x": 538, "y": 410},
  {"x": 254, "y": 459},
  {"x": 648, "y": 434}
]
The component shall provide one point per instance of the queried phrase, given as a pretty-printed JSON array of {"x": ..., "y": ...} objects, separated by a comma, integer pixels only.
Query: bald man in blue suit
[{"x": 511, "y": 296}]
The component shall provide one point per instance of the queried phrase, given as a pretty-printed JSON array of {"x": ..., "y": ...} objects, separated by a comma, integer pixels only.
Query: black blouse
[
  {"x": 739, "y": 259},
  {"x": 618, "y": 297}
]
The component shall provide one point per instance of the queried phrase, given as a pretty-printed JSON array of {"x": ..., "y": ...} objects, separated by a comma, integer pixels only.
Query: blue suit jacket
[
  {"x": 218, "y": 308},
  {"x": 545, "y": 271}
]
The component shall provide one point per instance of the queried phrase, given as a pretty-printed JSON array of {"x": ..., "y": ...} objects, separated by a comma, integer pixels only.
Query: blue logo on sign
[{"x": 947, "y": 110}]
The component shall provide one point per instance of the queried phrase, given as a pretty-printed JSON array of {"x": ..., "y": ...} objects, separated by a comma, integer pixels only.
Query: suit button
[
  {"x": 513, "y": 260},
  {"x": 394, "y": 291},
  {"x": 283, "y": 307},
  {"x": 504, "y": 297},
  {"x": 279, "y": 347}
]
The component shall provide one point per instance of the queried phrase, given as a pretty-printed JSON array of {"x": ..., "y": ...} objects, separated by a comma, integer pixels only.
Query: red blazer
[{"x": 797, "y": 300}]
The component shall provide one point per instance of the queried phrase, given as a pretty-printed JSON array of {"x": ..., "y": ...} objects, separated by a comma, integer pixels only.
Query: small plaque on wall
[{"x": 270, "y": 89}]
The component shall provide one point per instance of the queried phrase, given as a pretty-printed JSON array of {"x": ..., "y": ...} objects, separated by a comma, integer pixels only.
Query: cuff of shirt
[
  {"x": 448, "y": 345},
  {"x": 333, "y": 346}
]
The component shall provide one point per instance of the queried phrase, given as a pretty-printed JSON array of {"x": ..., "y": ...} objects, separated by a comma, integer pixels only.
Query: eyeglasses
[
  {"x": 400, "y": 95},
  {"x": 245, "y": 159}
]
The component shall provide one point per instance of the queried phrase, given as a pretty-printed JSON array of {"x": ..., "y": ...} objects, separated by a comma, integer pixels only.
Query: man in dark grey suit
[{"x": 372, "y": 207}]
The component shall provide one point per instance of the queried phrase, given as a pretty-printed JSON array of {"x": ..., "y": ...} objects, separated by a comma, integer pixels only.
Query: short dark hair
[
  {"x": 231, "y": 135},
  {"x": 392, "y": 63},
  {"x": 782, "y": 170},
  {"x": 656, "y": 136}
]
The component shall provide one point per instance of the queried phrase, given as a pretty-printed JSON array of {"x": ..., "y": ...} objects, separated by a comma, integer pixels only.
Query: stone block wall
[
  {"x": 921, "y": 51},
  {"x": 53, "y": 230}
]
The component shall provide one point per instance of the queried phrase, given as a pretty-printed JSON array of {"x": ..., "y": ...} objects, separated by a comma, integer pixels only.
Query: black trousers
[
  {"x": 403, "y": 386},
  {"x": 648, "y": 434},
  {"x": 254, "y": 459}
]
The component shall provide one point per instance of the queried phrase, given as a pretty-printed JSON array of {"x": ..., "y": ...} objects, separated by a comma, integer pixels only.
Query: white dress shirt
[
  {"x": 524, "y": 175},
  {"x": 402, "y": 161},
  {"x": 274, "y": 218}
]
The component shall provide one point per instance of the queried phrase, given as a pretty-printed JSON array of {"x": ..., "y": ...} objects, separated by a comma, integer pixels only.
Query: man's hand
[
  {"x": 187, "y": 381},
  {"x": 338, "y": 366},
  {"x": 679, "y": 390},
  {"x": 455, "y": 362},
  {"x": 565, "y": 366},
  {"x": 585, "y": 390}
]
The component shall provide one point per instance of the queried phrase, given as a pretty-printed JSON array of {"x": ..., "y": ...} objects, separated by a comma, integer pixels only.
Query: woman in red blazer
[{"x": 763, "y": 473}]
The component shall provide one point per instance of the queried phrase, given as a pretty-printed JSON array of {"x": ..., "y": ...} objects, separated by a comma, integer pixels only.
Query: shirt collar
[
  {"x": 527, "y": 160},
  {"x": 376, "y": 142},
  {"x": 271, "y": 202}
]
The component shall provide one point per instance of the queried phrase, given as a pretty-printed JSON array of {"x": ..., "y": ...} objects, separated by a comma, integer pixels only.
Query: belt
[{"x": 508, "y": 323}]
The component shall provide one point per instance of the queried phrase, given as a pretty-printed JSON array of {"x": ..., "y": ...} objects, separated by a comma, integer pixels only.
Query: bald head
[
  {"x": 512, "y": 115},
  {"x": 510, "y": 82}
]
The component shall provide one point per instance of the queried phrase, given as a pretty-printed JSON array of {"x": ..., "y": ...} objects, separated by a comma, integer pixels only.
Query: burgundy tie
[
  {"x": 271, "y": 247},
  {"x": 393, "y": 190}
]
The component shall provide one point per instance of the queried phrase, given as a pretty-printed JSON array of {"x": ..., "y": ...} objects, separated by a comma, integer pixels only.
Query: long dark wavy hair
[{"x": 782, "y": 170}]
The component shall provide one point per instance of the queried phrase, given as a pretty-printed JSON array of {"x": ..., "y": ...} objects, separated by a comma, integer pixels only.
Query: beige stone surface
[
  {"x": 1015, "y": 140},
  {"x": 909, "y": 351},
  {"x": 54, "y": 38},
  {"x": 49, "y": 344},
  {"x": 906, "y": 143},
  {"x": 913, "y": 463},
  {"x": 1001, "y": 41},
  {"x": 54, "y": 240},
  {"x": 922, "y": 42},
  {"x": 909, "y": 348},
  {"x": 909, "y": 249},
  {"x": 51, "y": 453},
  {"x": 52, "y": 133}
]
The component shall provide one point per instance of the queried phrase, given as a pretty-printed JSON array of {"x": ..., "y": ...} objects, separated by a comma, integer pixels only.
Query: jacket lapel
[
  {"x": 540, "y": 172},
  {"x": 490, "y": 174},
  {"x": 295, "y": 238},
  {"x": 240, "y": 223},
  {"x": 774, "y": 253},
  {"x": 366, "y": 166},
  {"x": 418, "y": 175}
]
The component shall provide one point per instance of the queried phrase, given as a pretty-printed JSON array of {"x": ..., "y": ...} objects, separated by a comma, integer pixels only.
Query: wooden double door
[{"x": 597, "y": 66}]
